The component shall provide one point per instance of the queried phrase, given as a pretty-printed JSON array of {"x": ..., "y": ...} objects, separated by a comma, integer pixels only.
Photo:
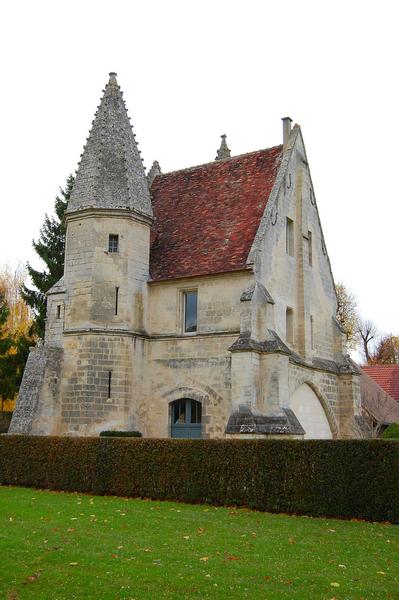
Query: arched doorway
[
  {"x": 310, "y": 413},
  {"x": 185, "y": 416}
]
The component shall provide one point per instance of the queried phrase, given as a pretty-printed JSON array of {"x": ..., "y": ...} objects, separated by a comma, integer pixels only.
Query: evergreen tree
[{"x": 51, "y": 248}]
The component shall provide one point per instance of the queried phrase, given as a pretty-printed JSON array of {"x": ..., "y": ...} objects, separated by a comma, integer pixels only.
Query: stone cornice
[
  {"x": 106, "y": 213},
  {"x": 144, "y": 336}
]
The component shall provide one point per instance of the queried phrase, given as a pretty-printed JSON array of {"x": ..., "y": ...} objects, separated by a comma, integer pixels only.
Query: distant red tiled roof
[
  {"x": 387, "y": 377},
  {"x": 206, "y": 217}
]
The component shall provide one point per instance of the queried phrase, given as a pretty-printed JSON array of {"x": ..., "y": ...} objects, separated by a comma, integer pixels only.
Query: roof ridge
[{"x": 220, "y": 161}]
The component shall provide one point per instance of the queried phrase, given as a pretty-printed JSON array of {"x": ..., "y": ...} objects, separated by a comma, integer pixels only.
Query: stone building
[{"x": 197, "y": 303}]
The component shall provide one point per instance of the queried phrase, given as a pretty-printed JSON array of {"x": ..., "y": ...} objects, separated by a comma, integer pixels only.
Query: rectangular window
[
  {"x": 311, "y": 332},
  {"x": 58, "y": 311},
  {"x": 109, "y": 383},
  {"x": 289, "y": 323},
  {"x": 116, "y": 300},
  {"x": 289, "y": 240},
  {"x": 113, "y": 242},
  {"x": 310, "y": 248},
  {"x": 190, "y": 311}
]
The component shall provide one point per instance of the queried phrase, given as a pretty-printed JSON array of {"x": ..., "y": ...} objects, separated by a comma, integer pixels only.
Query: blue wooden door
[{"x": 186, "y": 418}]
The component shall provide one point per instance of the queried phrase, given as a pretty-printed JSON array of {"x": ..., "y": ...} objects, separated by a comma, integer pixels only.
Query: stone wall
[{"x": 97, "y": 382}]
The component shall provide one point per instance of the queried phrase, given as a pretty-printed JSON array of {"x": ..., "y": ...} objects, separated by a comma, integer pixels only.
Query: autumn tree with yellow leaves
[{"x": 15, "y": 323}]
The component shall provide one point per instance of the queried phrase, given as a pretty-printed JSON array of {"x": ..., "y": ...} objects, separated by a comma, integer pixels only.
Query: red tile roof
[
  {"x": 387, "y": 377},
  {"x": 206, "y": 217}
]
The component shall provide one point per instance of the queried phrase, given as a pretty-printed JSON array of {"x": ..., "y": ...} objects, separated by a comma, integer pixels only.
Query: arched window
[{"x": 185, "y": 417}]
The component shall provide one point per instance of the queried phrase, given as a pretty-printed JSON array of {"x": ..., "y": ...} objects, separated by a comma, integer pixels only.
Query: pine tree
[{"x": 51, "y": 248}]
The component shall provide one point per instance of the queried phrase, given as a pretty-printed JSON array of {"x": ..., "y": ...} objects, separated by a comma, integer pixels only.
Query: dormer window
[{"x": 113, "y": 242}]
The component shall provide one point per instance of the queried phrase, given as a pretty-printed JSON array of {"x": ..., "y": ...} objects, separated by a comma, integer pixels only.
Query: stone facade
[{"x": 267, "y": 358}]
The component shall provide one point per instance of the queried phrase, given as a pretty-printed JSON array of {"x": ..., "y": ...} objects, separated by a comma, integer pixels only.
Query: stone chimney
[{"x": 286, "y": 130}]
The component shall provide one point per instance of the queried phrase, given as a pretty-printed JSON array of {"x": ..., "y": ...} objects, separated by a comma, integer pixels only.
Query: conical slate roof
[{"x": 111, "y": 172}]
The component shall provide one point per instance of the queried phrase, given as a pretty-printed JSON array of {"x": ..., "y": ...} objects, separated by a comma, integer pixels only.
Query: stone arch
[
  {"x": 313, "y": 411},
  {"x": 191, "y": 393},
  {"x": 215, "y": 408}
]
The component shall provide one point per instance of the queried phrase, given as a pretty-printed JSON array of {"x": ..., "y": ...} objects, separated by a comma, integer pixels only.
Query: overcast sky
[{"x": 191, "y": 71}]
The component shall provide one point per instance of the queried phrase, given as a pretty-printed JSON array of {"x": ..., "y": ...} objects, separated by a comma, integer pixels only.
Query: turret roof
[{"x": 111, "y": 172}]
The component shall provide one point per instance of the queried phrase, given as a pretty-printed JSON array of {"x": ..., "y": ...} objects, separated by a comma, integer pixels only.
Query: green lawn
[{"x": 56, "y": 546}]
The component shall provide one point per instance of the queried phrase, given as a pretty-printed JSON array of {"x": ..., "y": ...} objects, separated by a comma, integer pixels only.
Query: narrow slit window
[
  {"x": 310, "y": 248},
  {"x": 289, "y": 321},
  {"x": 311, "y": 332},
  {"x": 109, "y": 383},
  {"x": 113, "y": 242},
  {"x": 289, "y": 240},
  {"x": 116, "y": 300},
  {"x": 190, "y": 312},
  {"x": 58, "y": 311}
]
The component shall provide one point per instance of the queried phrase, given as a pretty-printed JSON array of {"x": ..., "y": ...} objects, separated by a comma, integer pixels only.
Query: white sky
[{"x": 191, "y": 71}]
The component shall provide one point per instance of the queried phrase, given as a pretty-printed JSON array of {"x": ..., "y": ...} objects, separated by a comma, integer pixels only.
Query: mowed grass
[{"x": 59, "y": 545}]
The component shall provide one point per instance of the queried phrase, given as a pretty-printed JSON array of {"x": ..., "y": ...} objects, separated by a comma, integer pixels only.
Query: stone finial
[
  {"x": 224, "y": 150},
  {"x": 112, "y": 78},
  {"x": 153, "y": 172}
]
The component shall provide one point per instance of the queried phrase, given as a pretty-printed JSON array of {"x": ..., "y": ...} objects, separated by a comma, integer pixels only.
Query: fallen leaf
[
  {"x": 334, "y": 584},
  {"x": 204, "y": 558},
  {"x": 32, "y": 578},
  {"x": 380, "y": 573},
  {"x": 73, "y": 564},
  {"x": 292, "y": 540},
  {"x": 186, "y": 537},
  {"x": 200, "y": 530},
  {"x": 342, "y": 566},
  {"x": 233, "y": 558}
]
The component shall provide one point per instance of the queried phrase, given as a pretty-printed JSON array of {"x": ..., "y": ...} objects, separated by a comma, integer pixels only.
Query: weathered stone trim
[
  {"x": 106, "y": 213},
  {"x": 273, "y": 198},
  {"x": 245, "y": 421},
  {"x": 153, "y": 338},
  {"x": 232, "y": 273}
]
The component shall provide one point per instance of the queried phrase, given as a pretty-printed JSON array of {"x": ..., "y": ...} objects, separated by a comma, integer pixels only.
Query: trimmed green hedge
[
  {"x": 121, "y": 434},
  {"x": 391, "y": 432},
  {"x": 348, "y": 478}
]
